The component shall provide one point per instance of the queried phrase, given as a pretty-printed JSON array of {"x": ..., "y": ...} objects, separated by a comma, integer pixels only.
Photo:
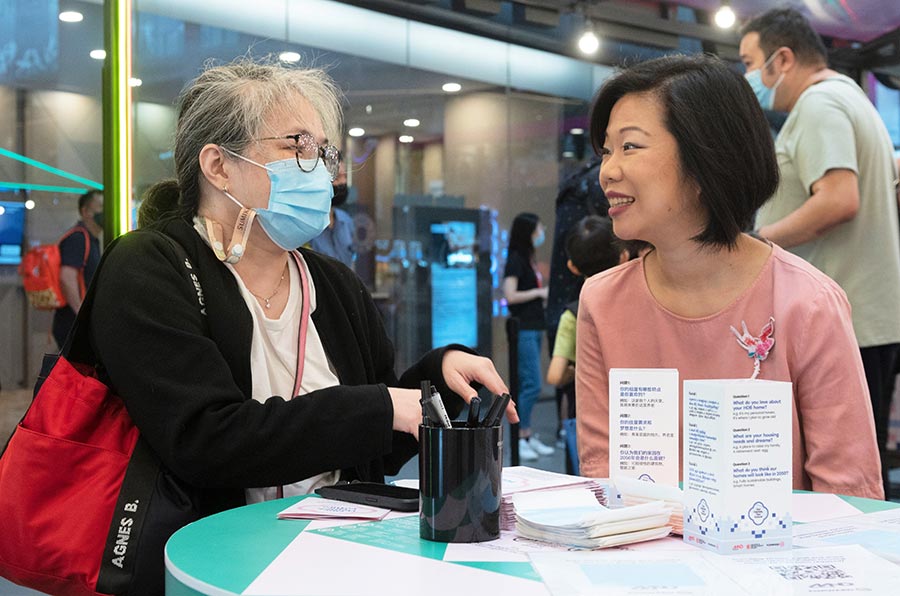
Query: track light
[
  {"x": 725, "y": 17},
  {"x": 588, "y": 43}
]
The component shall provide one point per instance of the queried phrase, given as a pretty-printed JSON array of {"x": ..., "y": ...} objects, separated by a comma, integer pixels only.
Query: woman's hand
[
  {"x": 407, "y": 410},
  {"x": 460, "y": 369}
]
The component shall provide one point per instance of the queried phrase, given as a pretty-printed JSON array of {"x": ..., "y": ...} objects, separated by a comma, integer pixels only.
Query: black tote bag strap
[{"x": 77, "y": 347}]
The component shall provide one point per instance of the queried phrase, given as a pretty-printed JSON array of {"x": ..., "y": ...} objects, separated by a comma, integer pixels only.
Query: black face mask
[
  {"x": 340, "y": 195},
  {"x": 98, "y": 218}
]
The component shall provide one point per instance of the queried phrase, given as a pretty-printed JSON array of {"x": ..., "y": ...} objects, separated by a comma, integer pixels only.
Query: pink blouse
[{"x": 620, "y": 325}]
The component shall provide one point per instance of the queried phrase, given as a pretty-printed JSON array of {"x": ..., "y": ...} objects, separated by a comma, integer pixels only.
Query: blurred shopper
[
  {"x": 687, "y": 160},
  {"x": 592, "y": 247},
  {"x": 79, "y": 252},
  {"x": 836, "y": 205},
  {"x": 337, "y": 239},
  {"x": 525, "y": 294}
]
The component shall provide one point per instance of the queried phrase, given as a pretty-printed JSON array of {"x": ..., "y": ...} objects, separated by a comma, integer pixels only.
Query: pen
[
  {"x": 434, "y": 408},
  {"x": 498, "y": 415},
  {"x": 425, "y": 387},
  {"x": 474, "y": 410},
  {"x": 492, "y": 410}
]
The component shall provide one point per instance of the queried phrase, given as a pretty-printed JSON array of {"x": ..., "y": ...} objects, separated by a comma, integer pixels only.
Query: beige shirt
[{"x": 834, "y": 126}]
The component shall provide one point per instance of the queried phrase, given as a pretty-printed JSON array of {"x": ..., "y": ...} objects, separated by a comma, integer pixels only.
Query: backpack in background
[{"x": 39, "y": 271}]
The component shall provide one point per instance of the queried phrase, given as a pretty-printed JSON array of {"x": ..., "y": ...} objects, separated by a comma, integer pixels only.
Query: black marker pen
[{"x": 474, "y": 410}]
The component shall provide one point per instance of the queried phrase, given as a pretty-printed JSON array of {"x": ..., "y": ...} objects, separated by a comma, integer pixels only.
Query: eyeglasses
[{"x": 307, "y": 149}]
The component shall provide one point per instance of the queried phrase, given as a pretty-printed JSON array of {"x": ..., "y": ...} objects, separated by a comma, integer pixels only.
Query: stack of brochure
[
  {"x": 521, "y": 479},
  {"x": 638, "y": 492},
  {"x": 573, "y": 517}
]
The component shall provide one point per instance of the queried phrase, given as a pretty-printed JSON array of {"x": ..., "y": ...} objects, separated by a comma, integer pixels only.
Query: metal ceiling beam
[{"x": 613, "y": 21}]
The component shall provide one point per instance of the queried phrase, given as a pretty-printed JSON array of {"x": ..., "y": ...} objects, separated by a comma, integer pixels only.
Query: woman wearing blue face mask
[
  {"x": 252, "y": 368},
  {"x": 525, "y": 294}
]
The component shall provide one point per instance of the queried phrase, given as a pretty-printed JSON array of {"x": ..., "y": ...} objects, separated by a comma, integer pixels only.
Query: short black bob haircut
[{"x": 724, "y": 143}]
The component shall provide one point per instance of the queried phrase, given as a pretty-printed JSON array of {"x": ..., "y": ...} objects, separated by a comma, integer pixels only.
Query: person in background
[
  {"x": 251, "y": 368},
  {"x": 592, "y": 247},
  {"x": 337, "y": 239},
  {"x": 835, "y": 206},
  {"x": 687, "y": 160},
  {"x": 579, "y": 195},
  {"x": 79, "y": 252},
  {"x": 525, "y": 294}
]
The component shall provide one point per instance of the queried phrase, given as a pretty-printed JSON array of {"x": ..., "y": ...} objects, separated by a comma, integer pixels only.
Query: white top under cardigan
[{"x": 273, "y": 362}]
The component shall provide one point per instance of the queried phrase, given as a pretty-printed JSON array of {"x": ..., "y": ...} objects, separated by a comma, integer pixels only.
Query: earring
[{"x": 224, "y": 188}]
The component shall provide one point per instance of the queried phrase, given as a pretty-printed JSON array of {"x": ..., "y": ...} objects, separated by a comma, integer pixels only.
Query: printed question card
[
  {"x": 643, "y": 424},
  {"x": 737, "y": 465}
]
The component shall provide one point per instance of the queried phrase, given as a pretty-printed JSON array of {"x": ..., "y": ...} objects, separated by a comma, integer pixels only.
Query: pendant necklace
[{"x": 273, "y": 294}]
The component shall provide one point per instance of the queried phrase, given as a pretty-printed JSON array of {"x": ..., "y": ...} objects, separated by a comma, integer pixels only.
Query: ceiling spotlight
[
  {"x": 29, "y": 204},
  {"x": 405, "y": 139},
  {"x": 98, "y": 54},
  {"x": 725, "y": 17},
  {"x": 289, "y": 57},
  {"x": 577, "y": 131},
  {"x": 368, "y": 108},
  {"x": 411, "y": 122},
  {"x": 71, "y": 16},
  {"x": 589, "y": 43},
  {"x": 135, "y": 82},
  {"x": 2, "y": 209},
  {"x": 451, "y": 87},
  {"x": 356, "y": 132}
]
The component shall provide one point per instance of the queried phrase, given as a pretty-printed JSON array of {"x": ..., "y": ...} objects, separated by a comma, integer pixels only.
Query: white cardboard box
[{"x": 737, "y": 465}]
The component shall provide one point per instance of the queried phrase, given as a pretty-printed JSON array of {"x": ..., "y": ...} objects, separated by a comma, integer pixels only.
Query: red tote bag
[{"x": 85, "y": 505}]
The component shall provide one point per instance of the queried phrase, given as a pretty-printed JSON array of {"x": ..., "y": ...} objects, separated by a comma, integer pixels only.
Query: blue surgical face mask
[
  {"x": 299, "y": 202},
  {"x": 765, "y": 95},
  {"x": 539, "y": 239}
]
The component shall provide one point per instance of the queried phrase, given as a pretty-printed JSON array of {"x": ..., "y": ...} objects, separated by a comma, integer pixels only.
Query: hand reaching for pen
[
  {"x": 407, "y": 411},
  {"x": 460, "y": 369}
]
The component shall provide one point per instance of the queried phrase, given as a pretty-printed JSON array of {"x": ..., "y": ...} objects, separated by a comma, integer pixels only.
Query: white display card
[
  {"x": 737, "y": 465},
  {"x": 643, "y": 424}
]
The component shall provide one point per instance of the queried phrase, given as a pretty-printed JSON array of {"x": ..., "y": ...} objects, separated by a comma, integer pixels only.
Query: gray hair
[{"x": 228, "y": 105}]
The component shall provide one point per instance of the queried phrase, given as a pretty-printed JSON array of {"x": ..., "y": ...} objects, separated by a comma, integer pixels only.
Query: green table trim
[
  {"x": 236, "y": 546},
  {"x": 243, "y": 542}
]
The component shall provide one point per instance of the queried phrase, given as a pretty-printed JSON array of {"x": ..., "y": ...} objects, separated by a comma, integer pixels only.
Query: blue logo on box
[
  {"x": 758, "y": 513},
  {"x": 703, "y": 509}
]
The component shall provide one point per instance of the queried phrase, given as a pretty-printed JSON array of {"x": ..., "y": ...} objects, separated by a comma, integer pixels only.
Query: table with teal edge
[{"x": 249, "y": 551}]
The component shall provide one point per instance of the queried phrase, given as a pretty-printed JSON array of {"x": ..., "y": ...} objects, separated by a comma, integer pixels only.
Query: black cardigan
[{"x": 179, "y": 356}]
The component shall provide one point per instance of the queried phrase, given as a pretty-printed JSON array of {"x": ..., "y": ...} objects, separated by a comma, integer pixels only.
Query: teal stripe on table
[
  {"x": 522, "y": 570},
  {"x": 234, "y": 546}
]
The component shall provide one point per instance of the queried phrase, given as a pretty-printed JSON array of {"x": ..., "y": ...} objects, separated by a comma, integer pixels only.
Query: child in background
[{"x": 592, "y": 247}]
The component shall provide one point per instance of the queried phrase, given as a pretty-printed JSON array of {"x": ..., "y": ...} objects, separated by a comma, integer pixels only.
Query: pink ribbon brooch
[{"x": 757, "y": 348}]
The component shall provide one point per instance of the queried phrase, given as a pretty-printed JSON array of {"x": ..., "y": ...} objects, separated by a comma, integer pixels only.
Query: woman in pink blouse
[{"x": 687, "y": 161}]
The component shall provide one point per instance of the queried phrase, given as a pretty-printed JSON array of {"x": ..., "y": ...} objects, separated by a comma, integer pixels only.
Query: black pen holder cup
[{"x": 459, "y": 483}]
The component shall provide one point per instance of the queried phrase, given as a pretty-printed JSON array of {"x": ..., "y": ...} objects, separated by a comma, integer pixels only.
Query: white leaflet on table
[
  {"x": 647, "y": 490},
  {"x": 331, "y": 509},
  {"x": 628, "y": 573},
  {"x": 407, "y": 483},
  {"x": 319, "y": 524},
  {"x": 812, "y": 507},
  {"x": 510, "y": 547},
  {"x": 842, "y": 569},
  {"x": 517, "y": 479},
  {"x": 883, "y": 539}
]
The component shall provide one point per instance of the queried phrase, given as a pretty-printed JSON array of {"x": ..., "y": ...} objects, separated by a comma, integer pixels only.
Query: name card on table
[
  {"x": 737, "y": 465},
  {"x": 643, "y": 424}
]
